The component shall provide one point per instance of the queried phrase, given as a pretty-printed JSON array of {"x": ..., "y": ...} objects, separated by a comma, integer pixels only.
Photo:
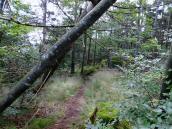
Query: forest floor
[
  {"x": 72, "y": 111},
  {"x": 75, "y": 105}
]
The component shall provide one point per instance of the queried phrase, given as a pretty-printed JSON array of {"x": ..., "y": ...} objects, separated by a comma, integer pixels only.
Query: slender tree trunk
[
  {"x": 2, "y": 2},
  {"x": 89, "y": 52},
  {"x": 56, "y": 53},
  {"x": 95, "y": 51},
  {"x": 155, "y": 25},
  {"x": 42, "y": 49},
  {"x": 109, "y": 59},
  {"x": 73, "y": 60},
  {"x": 138, "y": 28},
  {"x": 74, "y": 46},
  {"x": 84, "y": 53}
]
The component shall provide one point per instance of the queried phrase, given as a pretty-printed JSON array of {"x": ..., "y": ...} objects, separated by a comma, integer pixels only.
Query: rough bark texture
[{"x": 56, "y": 53}]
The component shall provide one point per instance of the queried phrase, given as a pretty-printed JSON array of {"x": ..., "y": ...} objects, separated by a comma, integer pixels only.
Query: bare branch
[{"x": 33, "y": 25}]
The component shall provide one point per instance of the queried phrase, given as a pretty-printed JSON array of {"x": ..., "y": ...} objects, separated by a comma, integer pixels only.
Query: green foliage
[
  {"x": 3, "y": 51},
  {"x": 106, "y": 112},
  {"x": 103, "y": 63},
  {"x": 41, "y": 123},
  {"x": 141, "y": 105},
  {"x": 15, "y": 62},
  {"x": 117, "y": 60},
  {"x": 88, "y": 70},
  {"x": 124, "y": 124},
  {"x": 151, "y": 46},
  {"x": 6, "y": 124}
]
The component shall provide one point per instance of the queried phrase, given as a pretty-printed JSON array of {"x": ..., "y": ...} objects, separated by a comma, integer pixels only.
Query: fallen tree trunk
[{"x": 56, "y": 53}]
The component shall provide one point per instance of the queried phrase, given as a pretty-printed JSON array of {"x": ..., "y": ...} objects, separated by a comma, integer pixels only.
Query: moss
[
  {"x": 106, "y": 112},
  {"x": 123, "y": 125},
  {"x": 41, "y": 123}
]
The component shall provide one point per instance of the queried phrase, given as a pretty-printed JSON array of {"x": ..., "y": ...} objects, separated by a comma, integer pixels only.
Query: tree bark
[
  {"x": 74, "y": 45},
  {"x": 56, "y": 53},
  {"x": 155, "y": 25},
  {"x": 73, "y": 60},
  {"x": 84, "y": 53},
  {"x": 89, "y": 52},
  {"x": 1, "y": 5},
  {"x": 95, "y": 50}
]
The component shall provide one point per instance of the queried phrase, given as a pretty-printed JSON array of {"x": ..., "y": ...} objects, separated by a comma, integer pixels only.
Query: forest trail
[
  {"x": 72, "y": 110},
  {"x": 73, "y": 107}
]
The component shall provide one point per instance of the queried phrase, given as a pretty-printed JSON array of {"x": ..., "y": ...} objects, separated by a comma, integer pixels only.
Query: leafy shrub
[
  {"x": 124, "y": 124},
  {"x": 122, "y": 60},
  {"x": 117, "y": 60},
  {"x": 89, "y": 70},
  {"x": 106, "y": 112},
  {"x": 103, "y": 63},
  {"x": 151, "y": 46}
]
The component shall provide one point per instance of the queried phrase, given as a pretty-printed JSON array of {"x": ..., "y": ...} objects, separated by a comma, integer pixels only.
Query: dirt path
[{"x": 73, "y": 108}]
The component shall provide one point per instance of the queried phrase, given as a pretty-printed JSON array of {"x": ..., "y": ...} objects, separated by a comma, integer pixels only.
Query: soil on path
[{"x": 73, "y": 108}]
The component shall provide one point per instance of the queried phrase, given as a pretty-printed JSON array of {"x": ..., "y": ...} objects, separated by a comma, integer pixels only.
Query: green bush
[
  {"x": 103, "y": 63},
  {"x": 151, "y": 46},
  {"x": 124, "y": 124},
  {"x": 106, "y": 112},
  {"x": 41, "y": 123},
  {"x": 89, "y": 70},
  {"x": 117, "y": 60}
]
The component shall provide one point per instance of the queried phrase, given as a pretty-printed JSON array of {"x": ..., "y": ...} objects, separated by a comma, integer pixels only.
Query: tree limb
[{"x": 33, "y": 25}]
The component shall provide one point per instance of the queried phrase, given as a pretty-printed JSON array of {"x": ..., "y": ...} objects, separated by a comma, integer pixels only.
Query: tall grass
[{"x": 103, "y": 87}]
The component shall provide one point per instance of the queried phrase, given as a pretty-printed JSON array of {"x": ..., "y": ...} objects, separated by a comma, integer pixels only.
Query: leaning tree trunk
[
  {"x": 167, "y": 82},
  {"x": 56, "y": 53}
]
